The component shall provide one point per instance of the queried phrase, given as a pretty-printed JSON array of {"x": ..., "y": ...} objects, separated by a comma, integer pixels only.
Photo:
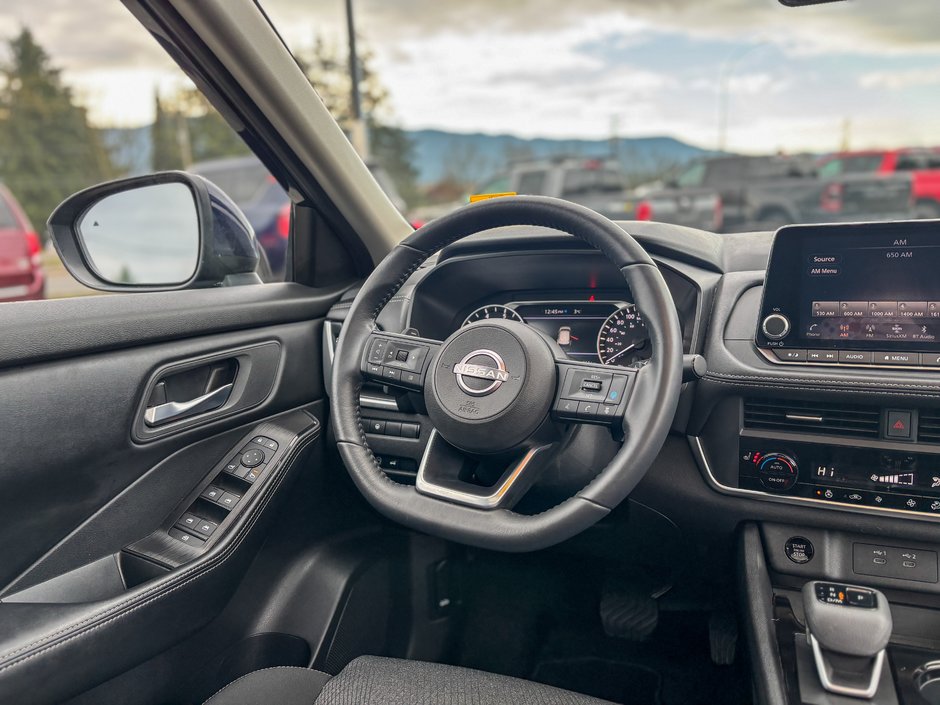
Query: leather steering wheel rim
[{"x": 649, "y": 412}]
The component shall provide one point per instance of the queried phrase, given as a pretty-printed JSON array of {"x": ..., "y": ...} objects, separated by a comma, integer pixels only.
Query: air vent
[
  {"x": 928, "y": 428},
  {"x": 856, "y": 420}
]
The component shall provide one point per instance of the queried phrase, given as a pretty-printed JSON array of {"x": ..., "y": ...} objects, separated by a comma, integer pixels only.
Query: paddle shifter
[{"x": 848, "y": 628}]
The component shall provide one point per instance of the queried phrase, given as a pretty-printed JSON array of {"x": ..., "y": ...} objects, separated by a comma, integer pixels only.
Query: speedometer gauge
[
  {"x": 486, "y": 313},
  {"x": 623, "y": 339}
]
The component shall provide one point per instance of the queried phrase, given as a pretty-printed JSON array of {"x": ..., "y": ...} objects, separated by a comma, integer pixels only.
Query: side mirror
[{"x": 160, "y": 232}]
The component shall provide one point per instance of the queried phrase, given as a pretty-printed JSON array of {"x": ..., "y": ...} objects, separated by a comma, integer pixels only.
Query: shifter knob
[
  {"x": 848, "y": 628},
  {"x": 927, "y": 678}
]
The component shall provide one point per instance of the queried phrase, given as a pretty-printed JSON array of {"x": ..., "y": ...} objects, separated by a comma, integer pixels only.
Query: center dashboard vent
[{"x": 855, "y": 420}]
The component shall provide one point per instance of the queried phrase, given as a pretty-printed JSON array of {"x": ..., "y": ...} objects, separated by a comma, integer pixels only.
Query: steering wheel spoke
[
  {"x": 483, "y": 482},
  {"x": 398, "y": 360},
  {"x": 593, "y": 394}
]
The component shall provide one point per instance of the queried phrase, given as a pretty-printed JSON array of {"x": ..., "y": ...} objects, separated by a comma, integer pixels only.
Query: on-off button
[{"x": 776, "y": 326}]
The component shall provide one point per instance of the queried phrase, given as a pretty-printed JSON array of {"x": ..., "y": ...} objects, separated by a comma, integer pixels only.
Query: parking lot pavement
[{"x": 59, "y": 283}]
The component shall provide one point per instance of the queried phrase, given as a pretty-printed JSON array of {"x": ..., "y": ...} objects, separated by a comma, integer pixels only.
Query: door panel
[{"x": 89, "y": 493}]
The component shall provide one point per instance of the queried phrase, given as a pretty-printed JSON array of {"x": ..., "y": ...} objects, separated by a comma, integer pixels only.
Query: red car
[
  {"x": 21, "y": 277},
  {"x": 922, "y": 164}
]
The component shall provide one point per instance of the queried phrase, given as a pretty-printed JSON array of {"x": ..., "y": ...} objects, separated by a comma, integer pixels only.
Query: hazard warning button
[{"x": 898, "y": 424}]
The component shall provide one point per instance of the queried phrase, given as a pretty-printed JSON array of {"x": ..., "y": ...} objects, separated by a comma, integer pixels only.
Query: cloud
[{"x": 895, "y": 80}]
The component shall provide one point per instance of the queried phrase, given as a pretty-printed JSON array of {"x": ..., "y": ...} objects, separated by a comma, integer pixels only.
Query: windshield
[{"x": 625, "y": 106}]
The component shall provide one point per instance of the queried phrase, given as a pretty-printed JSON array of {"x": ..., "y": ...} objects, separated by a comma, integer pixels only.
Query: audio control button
[
  {"x": 855, "y": 357},
  {"x": 776, "y": 326},
  {"x": 790, "y": 355}
]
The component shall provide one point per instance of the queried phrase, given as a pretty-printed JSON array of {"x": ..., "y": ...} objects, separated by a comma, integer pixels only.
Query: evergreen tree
[
  {"x": 326, "y": 66},
  {"x": 166, "y": 152},
  {"x": 47, "y": 148}
]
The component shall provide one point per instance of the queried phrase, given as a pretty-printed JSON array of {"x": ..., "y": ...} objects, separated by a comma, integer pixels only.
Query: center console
[{"x": 853, "y": 294}]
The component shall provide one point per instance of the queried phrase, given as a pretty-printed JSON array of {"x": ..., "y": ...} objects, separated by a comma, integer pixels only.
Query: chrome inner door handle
[{"x": 171, "y": 411}]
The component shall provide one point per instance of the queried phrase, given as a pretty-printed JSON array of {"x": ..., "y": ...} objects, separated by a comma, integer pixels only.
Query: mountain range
[{"x": 471, "y": 157}]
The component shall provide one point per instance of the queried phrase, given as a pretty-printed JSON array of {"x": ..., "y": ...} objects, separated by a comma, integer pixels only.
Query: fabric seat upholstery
[{"x": 370, "y": 680}]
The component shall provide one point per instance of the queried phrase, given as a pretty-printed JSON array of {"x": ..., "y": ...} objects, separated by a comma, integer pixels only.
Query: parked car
[
  {"x": 741, "y": 193},
  {"x": 21, "y": 275},
  {"x": 595, "y": 183},
  {"x": 923, "y": 165},
  {"x": 266, "y": 205}
]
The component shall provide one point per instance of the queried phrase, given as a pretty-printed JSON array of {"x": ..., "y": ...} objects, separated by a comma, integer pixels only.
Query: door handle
[{"x": 163, "y": 413}]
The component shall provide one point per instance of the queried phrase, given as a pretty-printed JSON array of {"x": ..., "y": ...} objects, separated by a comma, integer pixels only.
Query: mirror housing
[{"x": 227, "y": 251}]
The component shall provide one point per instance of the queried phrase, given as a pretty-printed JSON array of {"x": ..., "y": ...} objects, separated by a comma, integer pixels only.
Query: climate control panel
[{"x": 850, "y": 475}]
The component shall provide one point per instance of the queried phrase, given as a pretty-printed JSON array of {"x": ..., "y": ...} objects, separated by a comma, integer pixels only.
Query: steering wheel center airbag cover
[{"x": 490, "y": 386}]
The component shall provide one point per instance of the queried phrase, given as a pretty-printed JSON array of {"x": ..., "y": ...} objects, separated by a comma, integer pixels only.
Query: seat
[{"x": 370, "y": 680}]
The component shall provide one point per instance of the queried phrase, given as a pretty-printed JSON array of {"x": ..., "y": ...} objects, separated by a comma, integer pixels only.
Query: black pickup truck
[{"x": 740, "y": 193}]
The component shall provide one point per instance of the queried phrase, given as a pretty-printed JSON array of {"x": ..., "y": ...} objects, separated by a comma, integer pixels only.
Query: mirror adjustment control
[{"x": 252, "y": 458}]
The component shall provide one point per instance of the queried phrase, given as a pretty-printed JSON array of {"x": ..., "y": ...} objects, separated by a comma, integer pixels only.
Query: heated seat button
[{"x": 252, "y": 458}]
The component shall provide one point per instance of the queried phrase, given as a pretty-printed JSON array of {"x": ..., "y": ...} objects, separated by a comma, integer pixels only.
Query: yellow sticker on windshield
[{"x": 483, "y": 196}]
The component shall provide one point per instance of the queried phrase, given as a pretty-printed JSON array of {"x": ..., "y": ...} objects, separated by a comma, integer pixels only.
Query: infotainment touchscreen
[{"x": 854, "y": 287}]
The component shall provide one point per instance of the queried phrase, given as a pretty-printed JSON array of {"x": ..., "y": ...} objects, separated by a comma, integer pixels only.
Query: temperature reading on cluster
[{"x": 902, "y": 479}]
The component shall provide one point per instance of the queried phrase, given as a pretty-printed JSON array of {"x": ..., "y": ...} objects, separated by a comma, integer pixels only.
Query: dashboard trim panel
[{"x": 768, "y": 353}]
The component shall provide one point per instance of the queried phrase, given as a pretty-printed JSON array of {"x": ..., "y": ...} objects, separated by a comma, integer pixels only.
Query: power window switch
[
  {"x": 229, "y": 500},
  {"x": 212, "y": 493},
  {"x": 186, "y": 538},
  {"x": 205, "y": 528},
  {"x": 188, "y": 521}
]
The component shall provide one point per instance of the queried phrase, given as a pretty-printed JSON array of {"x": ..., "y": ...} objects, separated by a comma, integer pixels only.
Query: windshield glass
[{"x": 625, "y": 105}]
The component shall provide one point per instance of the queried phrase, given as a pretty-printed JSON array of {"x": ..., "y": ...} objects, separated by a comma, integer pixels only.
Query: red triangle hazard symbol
[{"x": 899, "y": 425}]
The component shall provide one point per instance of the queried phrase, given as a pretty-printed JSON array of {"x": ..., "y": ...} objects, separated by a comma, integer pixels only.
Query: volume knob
[{"x": 776, "y": 326}]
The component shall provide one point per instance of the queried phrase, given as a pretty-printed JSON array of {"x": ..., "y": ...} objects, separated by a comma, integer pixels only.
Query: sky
[{"x": 864, "y": 72}]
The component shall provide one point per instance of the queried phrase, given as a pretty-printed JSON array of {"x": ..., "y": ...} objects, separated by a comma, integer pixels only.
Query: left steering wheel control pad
[{"x": 491, "y": 386}]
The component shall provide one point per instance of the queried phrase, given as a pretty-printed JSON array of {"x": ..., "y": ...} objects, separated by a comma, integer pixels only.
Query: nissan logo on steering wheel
[{"x": 479, "y": 379}]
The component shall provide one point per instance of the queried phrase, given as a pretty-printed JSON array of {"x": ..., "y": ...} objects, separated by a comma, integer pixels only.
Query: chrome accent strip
[
  {"x": 803, "y": 417},
  {"x": 488, "y": 501},
  {"x": 698, "y": 452},
  {"x": 164, "y": 413},
  {"x": 867, "y": 366},
  {"x": 367, "y": 401},
  {"x": 822, "y": 670}
]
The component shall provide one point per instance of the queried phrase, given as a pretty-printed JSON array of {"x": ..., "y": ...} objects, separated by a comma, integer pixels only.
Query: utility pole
[
  {"x": 724, "y": 85},
  {"x": 358, "y": 132}
]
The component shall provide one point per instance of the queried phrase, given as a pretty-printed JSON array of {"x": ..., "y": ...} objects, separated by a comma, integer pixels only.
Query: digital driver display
[
  {"x": 574, "y": 326},
  {"x": 870, "y": 286}
]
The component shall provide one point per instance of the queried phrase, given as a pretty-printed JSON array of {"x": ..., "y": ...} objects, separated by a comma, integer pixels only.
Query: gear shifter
[{"x": 848, "y": 628}]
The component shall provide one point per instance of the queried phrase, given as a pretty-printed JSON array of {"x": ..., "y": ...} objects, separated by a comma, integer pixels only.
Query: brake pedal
[{"x": 628, "y": 614}]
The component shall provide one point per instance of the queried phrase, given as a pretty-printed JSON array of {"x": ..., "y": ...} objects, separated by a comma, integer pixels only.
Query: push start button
[{"x": 799, "y": 549}]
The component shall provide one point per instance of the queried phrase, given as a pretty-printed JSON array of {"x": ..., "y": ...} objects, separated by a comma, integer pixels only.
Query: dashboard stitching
[
  {"x": 764, "y": 385},
  {"x": 822, "y": 380}
]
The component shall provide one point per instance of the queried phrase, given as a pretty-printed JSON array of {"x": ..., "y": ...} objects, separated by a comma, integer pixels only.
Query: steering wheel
[{"x": 499, "y": 394}]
